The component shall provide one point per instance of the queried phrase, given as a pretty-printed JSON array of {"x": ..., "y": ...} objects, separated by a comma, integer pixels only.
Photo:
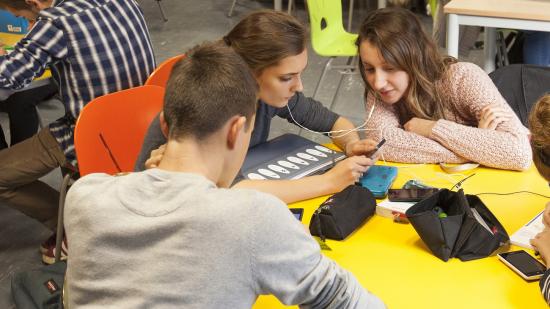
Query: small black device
[
  {"x": 523, "y": 264},
  {"x": 410, "y": 195},
  {"x": 373, "y": 154},
  {"x": 297, "y": 212}
]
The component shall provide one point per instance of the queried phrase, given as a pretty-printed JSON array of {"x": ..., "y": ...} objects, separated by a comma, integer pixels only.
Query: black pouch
[
  {"x": 452, "y": 224},
  {"x": 40, "y": 288},
  {"x": 342, "y": 213}
]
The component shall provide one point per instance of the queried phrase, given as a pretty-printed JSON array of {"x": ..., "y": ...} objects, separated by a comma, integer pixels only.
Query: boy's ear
[
  {"x": 163, "y": 125},
  {"x": 37, "y": 5},
  {"x": 236, "y": 127}
]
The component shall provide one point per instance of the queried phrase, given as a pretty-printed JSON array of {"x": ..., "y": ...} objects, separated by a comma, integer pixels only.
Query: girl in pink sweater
[{"x": 431, "y": 108}]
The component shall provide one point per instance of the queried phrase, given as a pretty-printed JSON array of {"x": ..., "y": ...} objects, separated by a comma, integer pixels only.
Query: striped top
[
  {"x": 545, "y": 286},
  {"x": 456, "y": 138},
  {"x": 93, "y": 47}
]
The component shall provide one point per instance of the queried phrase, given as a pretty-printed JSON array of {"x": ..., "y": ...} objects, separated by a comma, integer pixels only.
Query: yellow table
[{"x": 390, "y": 260}]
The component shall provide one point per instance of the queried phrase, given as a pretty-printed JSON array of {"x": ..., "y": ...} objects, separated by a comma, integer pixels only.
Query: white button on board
[
  {"x": 288, "y": 165},
  {"x": 268, "y": 173},
  {"x": 316, "y": 153},
  {"x": 277, "y": 168},
  {"x": 255, "y": 176},
  {"x": 306, "y": 156},
  {"x": 297, "y": 160},
  {"x": 324, "y": 149}
]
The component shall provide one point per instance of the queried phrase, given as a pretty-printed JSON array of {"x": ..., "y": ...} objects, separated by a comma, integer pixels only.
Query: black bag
[
  {"x": 448, "y": 224},
  {"x": 40, "y": 288},
  {"x": 343, "y": 213}
]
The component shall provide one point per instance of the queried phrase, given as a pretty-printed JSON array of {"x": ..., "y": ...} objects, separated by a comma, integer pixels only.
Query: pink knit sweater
[{"x": 455, "y": 139}]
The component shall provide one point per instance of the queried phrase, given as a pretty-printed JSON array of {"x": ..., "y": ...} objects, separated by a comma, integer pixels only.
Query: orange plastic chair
[
  {"x": 160, "y": 76},
  {"x": 110, "y": 129}
]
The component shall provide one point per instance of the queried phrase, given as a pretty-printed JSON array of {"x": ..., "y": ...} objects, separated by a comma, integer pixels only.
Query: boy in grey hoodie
[{"x": 176, "y": 236}]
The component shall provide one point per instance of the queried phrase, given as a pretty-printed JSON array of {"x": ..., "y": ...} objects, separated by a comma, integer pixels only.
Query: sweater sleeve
[
  {"x": 545, "y": 286},
  {"x": 308, "y": 113},
  {"x": 286, "y": 262},
  {"x": 403, "y": 146},
  {"x": 505, "y": 147}
]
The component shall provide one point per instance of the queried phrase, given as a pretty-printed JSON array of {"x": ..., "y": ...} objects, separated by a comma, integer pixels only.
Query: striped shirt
[
  {"x": 545, "y": 286},
  {"x": 93, "y": 47}
]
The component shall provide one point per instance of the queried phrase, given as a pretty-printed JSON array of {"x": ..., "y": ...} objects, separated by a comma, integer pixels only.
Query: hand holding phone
[
  {"x": 523, "y": 264},
  {"x": 378, "y": 146}
]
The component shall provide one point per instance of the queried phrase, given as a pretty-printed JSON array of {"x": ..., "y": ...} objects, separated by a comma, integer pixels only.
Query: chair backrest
[
  {"x": 160, "y": 75},
  {"x": 110, "y": 129},
  {"x": 326, "y": 25},
  {"x": 521, "y": 86}
]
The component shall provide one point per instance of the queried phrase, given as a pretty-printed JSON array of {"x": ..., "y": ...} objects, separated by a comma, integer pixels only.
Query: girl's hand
[
  {"x": 541, "y": 243},
  {"x": 493, "y": 115},
  {"x": 420, "y": 126},
  {"x": 348, "y": 172},
  {"x": 360, "y": 147},
  {"x": 155, "y": 158}
]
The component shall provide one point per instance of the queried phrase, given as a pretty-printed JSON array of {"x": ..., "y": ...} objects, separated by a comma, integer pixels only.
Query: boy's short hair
[{"x": 205, "y": 89}]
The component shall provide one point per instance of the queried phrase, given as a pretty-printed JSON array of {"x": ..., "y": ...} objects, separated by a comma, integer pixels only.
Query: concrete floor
[{"x": 189, "y": 23}]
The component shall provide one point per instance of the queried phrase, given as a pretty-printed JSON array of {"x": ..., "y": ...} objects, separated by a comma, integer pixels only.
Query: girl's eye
[
  {"x": 369, "y": 70},
  {"x": 285, "y": 79}
]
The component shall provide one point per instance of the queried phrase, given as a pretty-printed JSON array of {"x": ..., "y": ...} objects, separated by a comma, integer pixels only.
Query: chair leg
[
  {"x": 59, "y": 235},
  {"x": 162, "y": 11},
  {"x": 325, "y": 70},
  {"x": 290, "y": 5},
  {"x": 230, "y": 13}
]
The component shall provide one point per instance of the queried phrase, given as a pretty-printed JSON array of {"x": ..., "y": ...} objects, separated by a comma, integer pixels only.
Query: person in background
[
  {"x": 274, "y": 45},
  {"x": 539, "y": 124},
  {"x": 76, "y": 40},
  {"x": 429, "y": 107},
  {"x": 176, "y": 236}
]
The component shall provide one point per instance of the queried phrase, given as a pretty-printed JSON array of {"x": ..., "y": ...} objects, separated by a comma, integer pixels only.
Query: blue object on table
[
  {"x": 11, "y": 24},
  {"x": 379, "y": 179}
]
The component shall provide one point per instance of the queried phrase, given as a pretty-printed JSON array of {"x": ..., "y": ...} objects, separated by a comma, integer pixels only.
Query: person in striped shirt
[
  {"x": 93, "y": 47},
  {"x": 539, "y": 122}
]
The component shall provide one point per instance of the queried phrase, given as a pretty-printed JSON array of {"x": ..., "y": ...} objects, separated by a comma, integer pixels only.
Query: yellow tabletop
[
  {"x": 12, "y": 39},
  {"x": 390, "y": 260}
]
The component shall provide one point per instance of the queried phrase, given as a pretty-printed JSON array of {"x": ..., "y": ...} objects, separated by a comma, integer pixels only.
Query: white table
[{"x": 492, "y": 14}]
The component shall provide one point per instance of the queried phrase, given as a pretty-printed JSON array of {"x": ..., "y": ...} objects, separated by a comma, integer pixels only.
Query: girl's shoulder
[{"x": 461, "y": 70}]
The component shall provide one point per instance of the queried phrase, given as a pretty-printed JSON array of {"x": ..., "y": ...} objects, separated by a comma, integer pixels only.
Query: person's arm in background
[
  {"x": 471, "y": 90},
  {"x": 287, "y": 262},
  {"x": 403, "y": 146},
  {"x": 541, "y": 243},
  {"x": 41, "y": 46}
]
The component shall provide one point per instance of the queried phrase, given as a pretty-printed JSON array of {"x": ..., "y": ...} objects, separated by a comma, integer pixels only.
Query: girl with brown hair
[
  {"x": 273, "y": 44},
  {"x": 429, "y": 107}
]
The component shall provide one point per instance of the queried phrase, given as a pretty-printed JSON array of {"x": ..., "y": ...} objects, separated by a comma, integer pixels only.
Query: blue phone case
[{"x": 379, "y": 179}]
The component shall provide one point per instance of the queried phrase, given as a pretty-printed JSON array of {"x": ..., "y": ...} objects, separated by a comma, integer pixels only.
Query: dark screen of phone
[{"x": 524, "y": 262}]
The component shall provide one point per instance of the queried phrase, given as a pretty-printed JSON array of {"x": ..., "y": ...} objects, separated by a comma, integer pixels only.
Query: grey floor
[{"x": 189, "y": 22}]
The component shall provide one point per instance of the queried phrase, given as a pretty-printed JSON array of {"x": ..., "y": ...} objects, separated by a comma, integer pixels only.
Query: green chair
[{"x": 329, "y": 39}]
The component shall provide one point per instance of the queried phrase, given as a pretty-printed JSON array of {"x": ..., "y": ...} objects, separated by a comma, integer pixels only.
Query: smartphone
[
  {"x": 523, "y": 264},
  {"x": 297, "y": 212},
  {"x": 410, "y": 195},
  {"x": 378, "y": 146}
]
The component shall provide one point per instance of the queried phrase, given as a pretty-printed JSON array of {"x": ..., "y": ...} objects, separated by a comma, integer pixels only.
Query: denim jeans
[{"x": 536, "y": 48}]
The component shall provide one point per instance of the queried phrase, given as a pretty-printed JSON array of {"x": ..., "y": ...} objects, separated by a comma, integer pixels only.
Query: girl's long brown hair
[{"x": 398, "y": 35}]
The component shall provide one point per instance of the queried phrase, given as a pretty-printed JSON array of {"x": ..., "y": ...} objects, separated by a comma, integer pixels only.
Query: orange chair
[
  {"x": 110, "y": 129},
  {"x": 161, "y": 74},
  {"x": 108, "y": 136}
]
